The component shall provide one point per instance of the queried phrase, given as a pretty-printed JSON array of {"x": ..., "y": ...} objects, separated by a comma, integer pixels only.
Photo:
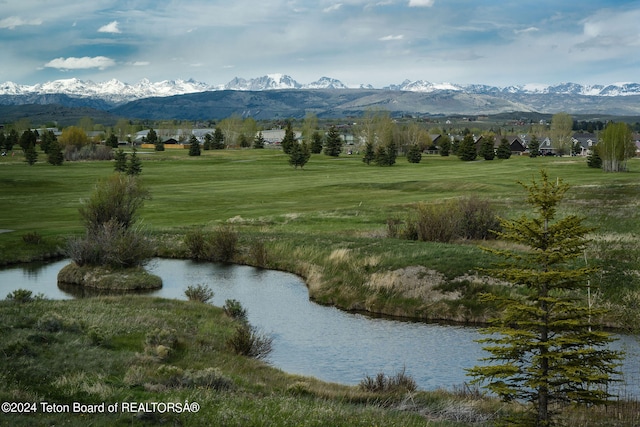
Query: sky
[{"x": 501, "y": 43}]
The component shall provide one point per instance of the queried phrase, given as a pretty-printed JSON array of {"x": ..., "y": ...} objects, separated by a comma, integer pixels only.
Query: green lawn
[{"x": 304, "y": 216}]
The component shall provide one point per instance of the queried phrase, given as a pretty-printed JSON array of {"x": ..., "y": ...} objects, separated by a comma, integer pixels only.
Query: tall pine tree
[
  {"x": 467, "y": 149},
  {"x": 289, "y": 139},
  {"x": 333, "y": 142},
  {"x": 544, "y": 349}
]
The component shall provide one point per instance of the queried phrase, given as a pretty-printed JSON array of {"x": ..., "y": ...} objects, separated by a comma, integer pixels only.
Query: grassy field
[{"x": 326, "y": 223}]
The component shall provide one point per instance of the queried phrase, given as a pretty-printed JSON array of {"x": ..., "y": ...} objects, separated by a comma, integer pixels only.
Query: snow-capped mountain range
[{"x": 117, "y": 92}]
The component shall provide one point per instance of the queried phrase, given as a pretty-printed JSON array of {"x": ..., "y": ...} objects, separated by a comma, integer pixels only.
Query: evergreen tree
[
  {"x": 369, "y": 153},
  {"x": 3, "y": 141},
  {"x": 152, "y": 136},
  {"x": 11, "y": 139},
  {"x": 218, "y": 139},
  {"x": 455, "y": 146},
  {"x": 289, "y": 139},
  {"x": 547, "y": 352},
  {"x": 244, "y": 141},
  {"x": 414, "y": 155},
  {"x": 299, "y": 154},
  {"x": 208, "y": 141},
  {"x": 194, "y": 146},
  {"x": 594, "y": 160},
  {"x": 120, "y": 158},
  {"x": 135, "y": 164},
  {"x": 534, "y": 147},
  {"x": 54, "y": 153},
  {"x": 159, "y": 145},
  {"x": 316, "y": 142},
  {"x": 504, "y": 150},
  {"x": 27, "y": 139},
  {"x": 47, "y": 139},
  {"x": 467, "y": 149},
  {"x": 445, "y": 145},
  {"x": 386, "y": 154},
  {"x": 487, "y": 151},
  {"x": 333, "y": 142},
  {"x": 258, "y": 141},
  {"x": 30, "y": 154},
  {"x": 112, "y": 141}
]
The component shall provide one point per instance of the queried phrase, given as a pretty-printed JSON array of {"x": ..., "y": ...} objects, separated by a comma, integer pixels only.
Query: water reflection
[{"x": 314, "y": 340}]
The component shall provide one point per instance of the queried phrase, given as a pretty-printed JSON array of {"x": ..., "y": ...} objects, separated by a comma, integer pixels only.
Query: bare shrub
[
  {"x": 200, "y": 293},
  {"x": 468, "y": 218},
  {"x": 247, "y": 341},
  {"x": 88, "y": 152},
  {"x": 478, "y": 219},
  {"x": 436, "y": 222},
  {"x": 111, "y": 245}
]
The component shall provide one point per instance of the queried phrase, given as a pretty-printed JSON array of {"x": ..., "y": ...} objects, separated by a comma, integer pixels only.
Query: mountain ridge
[
  {"x": 116, "y": 92},
  {"x": 280, "y": 96}
]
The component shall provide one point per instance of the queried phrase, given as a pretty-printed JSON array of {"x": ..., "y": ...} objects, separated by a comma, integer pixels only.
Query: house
[
  {"x": 516, "y": 143},
  {"x": 586, "y": 142},
  {"x": 546, "y": 148}
]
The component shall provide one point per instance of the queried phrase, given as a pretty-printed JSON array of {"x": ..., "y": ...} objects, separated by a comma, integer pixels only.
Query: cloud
[
  {"x": 421, "y": 3},
  {"x": 333, "y": 7},
  {"x": 15, "y": 21},
  {"x": 391, "y": 37},
  {"x": 111, "y": 27},
  {"x": 527, "y": 30},
  {"x": 71, "y": 63}
]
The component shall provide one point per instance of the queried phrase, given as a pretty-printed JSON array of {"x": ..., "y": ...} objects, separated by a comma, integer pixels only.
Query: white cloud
[
  {"x": 15, "y": 21},
  {"x": 71, "y": 63},
  {"x": 527, "y": 30},
  {"x": 333, "y": 7},
  {"x": 391, "y": 37},
  {"x": 421, "y": 3},
  {"x": 111, "y": 27}
]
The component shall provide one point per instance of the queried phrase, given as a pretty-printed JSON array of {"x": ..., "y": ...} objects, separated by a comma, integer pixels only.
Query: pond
[{"x": 319, "y": 341}]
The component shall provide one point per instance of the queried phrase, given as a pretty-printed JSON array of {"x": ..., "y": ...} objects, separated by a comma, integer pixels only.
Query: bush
[
  {"x": 478, "y": 219},
  {"x": 223, "y": 244},
  {"x": 32, "y": 238},
  {"x": 115, "y": 199},
  {"x": 88, "y": 152},
  {"x": 234, "y": 309},
  {"x": 201, "y": 293},
  {"x": 196, "y": 242},
  {"x": 381, "y": 383},
  {"x": 22, "y": 295},
  {"x": 219, "y": 245},
  {"x": 435, "y": 222},
  {"x": 111, "y": 245},
  {"x": 246, "y": 341},
  {"x": 469, "y": 218}
]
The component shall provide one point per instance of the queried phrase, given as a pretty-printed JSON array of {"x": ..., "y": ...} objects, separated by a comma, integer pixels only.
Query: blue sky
[{"x": 509, "y": 42}]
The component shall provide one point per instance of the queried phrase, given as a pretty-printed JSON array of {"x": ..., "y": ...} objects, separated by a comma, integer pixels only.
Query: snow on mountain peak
[{"x": 117, "y": 92}]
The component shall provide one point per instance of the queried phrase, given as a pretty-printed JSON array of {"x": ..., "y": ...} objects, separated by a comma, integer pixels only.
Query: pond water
[{"x": 319, "y": 341}]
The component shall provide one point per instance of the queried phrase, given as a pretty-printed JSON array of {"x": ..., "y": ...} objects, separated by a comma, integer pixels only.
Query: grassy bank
[
  {"x": 327, "y": 222},
  {"x": 144, "y": 350}
]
